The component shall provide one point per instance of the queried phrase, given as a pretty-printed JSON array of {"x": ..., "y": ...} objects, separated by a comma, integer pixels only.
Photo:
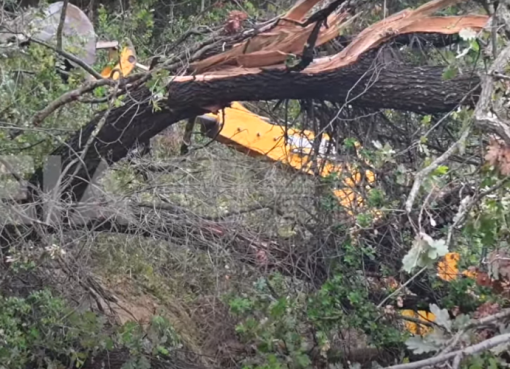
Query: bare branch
[
  {"x": 471, "y": 350},
  {"x": 420, "y": 177},
  {"x": 66, "y": 98},
  {"x": 489, "y": 114},
  {"x": 61, "y": 23}
]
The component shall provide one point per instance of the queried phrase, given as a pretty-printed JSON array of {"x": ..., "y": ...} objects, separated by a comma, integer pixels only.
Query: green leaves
[
  {"x": 450, "y": 72},
  {"x": 424, "y": 252},
  {"x": 292, "y": 60},
  {"x": 440, "y": 170},
  {"x": 421, "y": 346},
  {"x": 240, "y": 305},
  {"x": 43, "y": 321},
  {"x": 442, "y": 317}
]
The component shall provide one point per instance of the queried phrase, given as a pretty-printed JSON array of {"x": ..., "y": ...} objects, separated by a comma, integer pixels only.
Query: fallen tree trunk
[{"x": 368, "y": 83}]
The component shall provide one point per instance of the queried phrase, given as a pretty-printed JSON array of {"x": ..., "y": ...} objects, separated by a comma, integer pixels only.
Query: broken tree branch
[
  {"x": 471, "y": 350},
  {"x": 397, "y": 86},
  {"x": 348, "y": 73}
]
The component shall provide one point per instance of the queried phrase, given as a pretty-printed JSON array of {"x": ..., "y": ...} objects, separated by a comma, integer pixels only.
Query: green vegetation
[
  {"x": 218, "y": 259},
  {"x": 43, "y": 330}
]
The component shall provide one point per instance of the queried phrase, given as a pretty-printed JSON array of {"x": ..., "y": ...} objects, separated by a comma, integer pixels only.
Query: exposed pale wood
[
  {"x": 271, "y": 49},
  {"x": 299, "y": 10},
  {"x": 107, "y": 44}
]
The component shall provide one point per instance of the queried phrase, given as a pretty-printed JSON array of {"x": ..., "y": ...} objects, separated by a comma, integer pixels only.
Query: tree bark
[{"x": 369, "y": 83}]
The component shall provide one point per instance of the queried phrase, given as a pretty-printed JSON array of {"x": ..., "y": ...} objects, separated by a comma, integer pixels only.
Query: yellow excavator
[{"x": 247, "y": 132}]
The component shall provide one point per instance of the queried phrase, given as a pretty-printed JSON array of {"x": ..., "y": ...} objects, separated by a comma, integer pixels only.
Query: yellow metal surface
[
  {"x": 422, "y": 315},
  {"x": 447, "y": 270},
  {"x": 124, "y": 67},
  {"x": 251, "y": 134}
]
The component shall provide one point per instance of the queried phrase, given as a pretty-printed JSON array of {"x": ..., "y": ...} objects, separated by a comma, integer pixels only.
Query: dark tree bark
[{"x": 369, "y": 83}]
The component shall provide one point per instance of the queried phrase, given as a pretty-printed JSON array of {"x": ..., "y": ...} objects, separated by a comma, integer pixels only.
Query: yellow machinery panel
[
  {"x": 240, "y": 128},
  {"x": 125, "y": 65},
  {"x": 420, "y": 315}
]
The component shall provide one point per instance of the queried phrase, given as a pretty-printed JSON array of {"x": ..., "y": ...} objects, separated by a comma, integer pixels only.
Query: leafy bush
[{"x": 43, "y": 330}]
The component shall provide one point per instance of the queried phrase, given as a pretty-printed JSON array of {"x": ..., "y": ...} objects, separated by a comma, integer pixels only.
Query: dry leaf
[
  {"x": 486, "y": 309},
  {"x": 389, "y": 310},
  {"x": 455, "y": 311},
  {"x": 498, "y": 155},
  {"x": 234, "y": 22},
  {"x": 400, "y": 302},
  {"x": 447, "y": 268},
  {"x": 391, "y": 282},
  {"x": 499, "y": 265},
  {"x": 493, "y": 152}
]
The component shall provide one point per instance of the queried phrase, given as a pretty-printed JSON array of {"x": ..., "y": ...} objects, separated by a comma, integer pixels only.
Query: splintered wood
[{"x": 270, "y": 49}]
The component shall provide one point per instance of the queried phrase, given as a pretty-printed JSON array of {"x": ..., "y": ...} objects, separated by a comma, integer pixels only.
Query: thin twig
[
  {"x": 69, "y": 56},
  {"x": 467, "y": 204},
  {"x": 402, "y": 286},
  {"x": 420, "y": 177},
  {"x": 64, "y": 99},
  {"x": 96, "y": 131},
  {"x": 80, "y": 159}
]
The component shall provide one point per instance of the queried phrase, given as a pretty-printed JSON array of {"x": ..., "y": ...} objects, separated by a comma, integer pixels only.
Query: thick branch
[
  {"x": 61, "y": 23},
  {"x": 490, "y": 112},
  {"x": 369, "y": 83},
  {"x": 366, "y": 84}
]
